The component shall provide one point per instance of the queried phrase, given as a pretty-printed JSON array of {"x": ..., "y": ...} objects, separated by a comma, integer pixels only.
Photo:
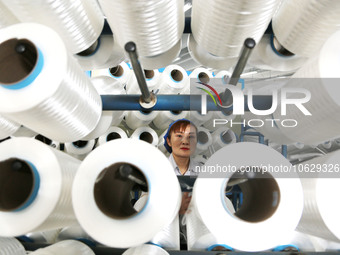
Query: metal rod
[
  {"x": 175, "y": 103},
  {"x": 248, "y": 46},
  {"x": 126, "y": 172},
  {"x": 131, "y": 48}
]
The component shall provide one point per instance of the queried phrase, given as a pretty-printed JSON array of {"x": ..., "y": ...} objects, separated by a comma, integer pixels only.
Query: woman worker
[{"x": 180, "y": 140}]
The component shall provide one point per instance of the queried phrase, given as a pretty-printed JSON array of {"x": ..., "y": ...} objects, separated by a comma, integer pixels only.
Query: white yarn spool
[
  {"x": 174, "y": 80},
  {"x": 272, "y": 215},
  {"x": 319, "y": 216},
  {"x": 106, "y": 86},
  {"x": 337, "y": 142},
  {"x": 162, "y": 60},
  {"x": 324, "y": 92},
  {"x": 79, "y": 147},
  {"x": 105, "y": 54},
  {"x": 169, "y": 236},
  {"x": 198, "y": 119},
  {"x": 136, "y": 119},
  {"x": 111, "y": 134},
  {"x": 146, "y": 134},
  {"x": 65, "y": 108},
  {"x": 221, "y": 28},
  {"x": 163, "y": 119},
  {"x": 7, "y": 127},
  {"x": 42, "y": 199},
  {"x": 161, "y": 146},
  {"x": 155, "y": 26},
  {"x": 25, "y": 132},
  {"x": 152, "y": 78},
  {"x": 222, "y": 137},
  {"x": 200, "y": 75},
  {"x": 67, "y": 247},
  {"x": 224, "y": 75},
  {"x": 10, "y": 246},
  {"x": 299, "y": 241},
  {"x": 79, "y": 23},
  {"x": 146, "y": 249},
  {"x": 203, "y": 57},
  {"x": 7, "y": 18},
  {"x": 302, "y": 27},
  {"x": 204, "y": 140},
  {"x": 75, "y": 232},
  {"x": 322, "y": 245},
  {"x": 198, "y": 235},
  {"x": 49, "y": 236},
  {"x": 97, "y": 194},
  {"x": 264, "y": 57},
  {"x": 327, "y": 145},
  {"x": 121, "y": 72}
]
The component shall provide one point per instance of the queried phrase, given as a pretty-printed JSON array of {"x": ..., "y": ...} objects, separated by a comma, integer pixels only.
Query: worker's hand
[{"x": 186, "y": 198}]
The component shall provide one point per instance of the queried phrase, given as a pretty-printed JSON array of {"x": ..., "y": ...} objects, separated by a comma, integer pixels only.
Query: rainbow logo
[{"x": 209, "y": 93}]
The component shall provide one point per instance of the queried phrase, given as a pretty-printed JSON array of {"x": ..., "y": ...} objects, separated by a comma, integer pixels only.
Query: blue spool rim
[
  {"x": 210, "y": 248},
  {"x": 151, "y": 243},
  {"x": 282, "y": 247},
  {"x": 276, "y": 51},
  {"x": 35, "y": 189}
]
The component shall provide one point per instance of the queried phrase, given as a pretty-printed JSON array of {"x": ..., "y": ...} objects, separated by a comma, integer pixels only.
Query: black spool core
[
  {"x": 80, "y": 144},
  {"x": 226, "y": 137},
  {"x": 149, "y": 74},
  {"x": 146, "y": 136},
  {"x": 202, "y": 137},
  {"x": 176, "y": 75},
  {"x": 117, "y": 71},
  {"x": 112, "y": 191},
  {"x": 176, "y": 112},
  {"x": 16, "y": 184},
  {"x": 113, "y": 136},
  {"x": 261, "y": 196},
  {"x": 17, "y": 60},
  {"x": 90, "y": 50},
  {"x": 203, "y": 77},
  {"x": 280, "y": 49}
]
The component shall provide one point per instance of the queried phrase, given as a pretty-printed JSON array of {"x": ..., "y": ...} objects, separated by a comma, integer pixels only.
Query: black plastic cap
[
  {"x": 250, "y": 43},
  {"x": 130, "y": 47}
]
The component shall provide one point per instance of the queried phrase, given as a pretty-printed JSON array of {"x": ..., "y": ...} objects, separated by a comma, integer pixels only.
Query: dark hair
[{"x": 180, "y": 125}]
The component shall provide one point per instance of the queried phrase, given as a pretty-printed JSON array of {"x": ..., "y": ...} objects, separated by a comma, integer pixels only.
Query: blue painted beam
[{"x": 175, "y": 103}]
